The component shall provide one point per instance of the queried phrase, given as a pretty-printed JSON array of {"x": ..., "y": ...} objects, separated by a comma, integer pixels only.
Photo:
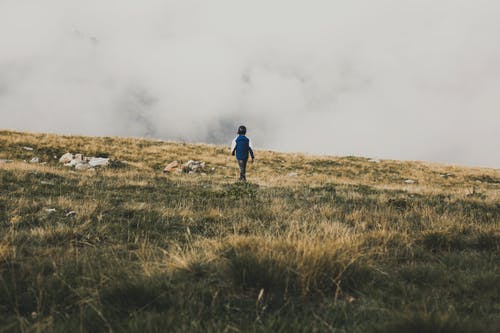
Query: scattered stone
[
  {"x": 50, "y": 210},
  {"x": 82, "y": 166},
  {"x": 292, "y": 174},
  {"x": 447, "y": 175},
  {"x": 6, "y": 161},
  {"x": 98, "y": 161},
  {"x": 35, "y": 160},
  {"x": 350, "y": 299},
  {"x": 66, "y": 158},
  {"x": 80, "y": 162},
  {"x": 374, "y": 160},
  {"x": 193, "y": 166},
  {"x": 171, "y": 167},
  {"x": 71, "y": 213},
  {"x": 44, "y": 182},
  {"x": 71, "y": 163},
  {"x": 410, "y": 181},
  {"x": 28, "y": 148}
]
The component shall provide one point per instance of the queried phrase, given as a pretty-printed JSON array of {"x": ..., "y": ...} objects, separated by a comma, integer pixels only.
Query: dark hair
[{"x": 242, "y": 130}]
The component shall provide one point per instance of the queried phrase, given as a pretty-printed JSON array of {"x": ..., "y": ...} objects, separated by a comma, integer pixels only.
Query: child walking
[{"x": 241, "y": 147}]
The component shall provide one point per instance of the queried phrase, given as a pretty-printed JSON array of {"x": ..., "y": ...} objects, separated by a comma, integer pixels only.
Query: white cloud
[{"x": 396, "y": 79}]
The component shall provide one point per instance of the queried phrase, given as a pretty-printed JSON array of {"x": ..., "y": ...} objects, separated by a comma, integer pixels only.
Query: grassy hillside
[{"x": 309, "y": 244}]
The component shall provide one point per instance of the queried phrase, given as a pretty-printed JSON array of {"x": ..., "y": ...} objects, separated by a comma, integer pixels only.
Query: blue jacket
[{"x": 241, "y": 146}]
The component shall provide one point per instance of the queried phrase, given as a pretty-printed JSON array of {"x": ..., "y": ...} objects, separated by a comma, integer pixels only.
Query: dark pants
[{"x": 243, "y": 168}]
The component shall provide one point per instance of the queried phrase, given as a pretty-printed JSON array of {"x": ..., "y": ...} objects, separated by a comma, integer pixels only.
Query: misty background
[{"x": 399, "y": 79}]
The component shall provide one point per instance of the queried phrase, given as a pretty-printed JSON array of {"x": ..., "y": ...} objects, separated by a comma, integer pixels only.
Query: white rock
[
  {"x": 79, "y": 157},
  {"x": 66, "y": 158},
  {"x": 5, "y": 161},
  {"x": 292, "y": 174},
  {"x": 50, "y": 210},
  {"x": 82, "y": 166},
  {"x": 28, "y": 148},
  {"x": 374, "y": 160},
  {"x": 71, "y": 163},
  {"x": 410, "y": 181},
  {"x": 193, "y": 166},
  {"x": 35, "y": 160},
  {"x": 71, "y": 213},
  {"x": 171, "y": 167},
  {"x": 98, "y": 161}
]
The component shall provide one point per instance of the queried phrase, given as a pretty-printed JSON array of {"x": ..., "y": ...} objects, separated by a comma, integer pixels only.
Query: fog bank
[{"x": 400, "y": 79}]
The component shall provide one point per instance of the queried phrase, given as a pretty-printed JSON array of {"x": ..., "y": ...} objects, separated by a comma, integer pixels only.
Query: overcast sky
[{"x": 399, "y": 79}]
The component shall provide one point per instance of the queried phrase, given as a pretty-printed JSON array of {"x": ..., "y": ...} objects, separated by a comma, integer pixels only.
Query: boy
[{"x": 240, "y": 147}]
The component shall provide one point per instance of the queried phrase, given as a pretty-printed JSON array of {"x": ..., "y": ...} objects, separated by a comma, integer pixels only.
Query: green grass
[{"x": 344, "y": 246}]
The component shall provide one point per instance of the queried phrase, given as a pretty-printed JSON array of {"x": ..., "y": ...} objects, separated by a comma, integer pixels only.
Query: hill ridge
[{"x": 310, "y": 243}]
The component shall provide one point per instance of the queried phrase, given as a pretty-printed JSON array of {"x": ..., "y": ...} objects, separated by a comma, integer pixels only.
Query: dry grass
[{"x": 309, "y": 244}]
